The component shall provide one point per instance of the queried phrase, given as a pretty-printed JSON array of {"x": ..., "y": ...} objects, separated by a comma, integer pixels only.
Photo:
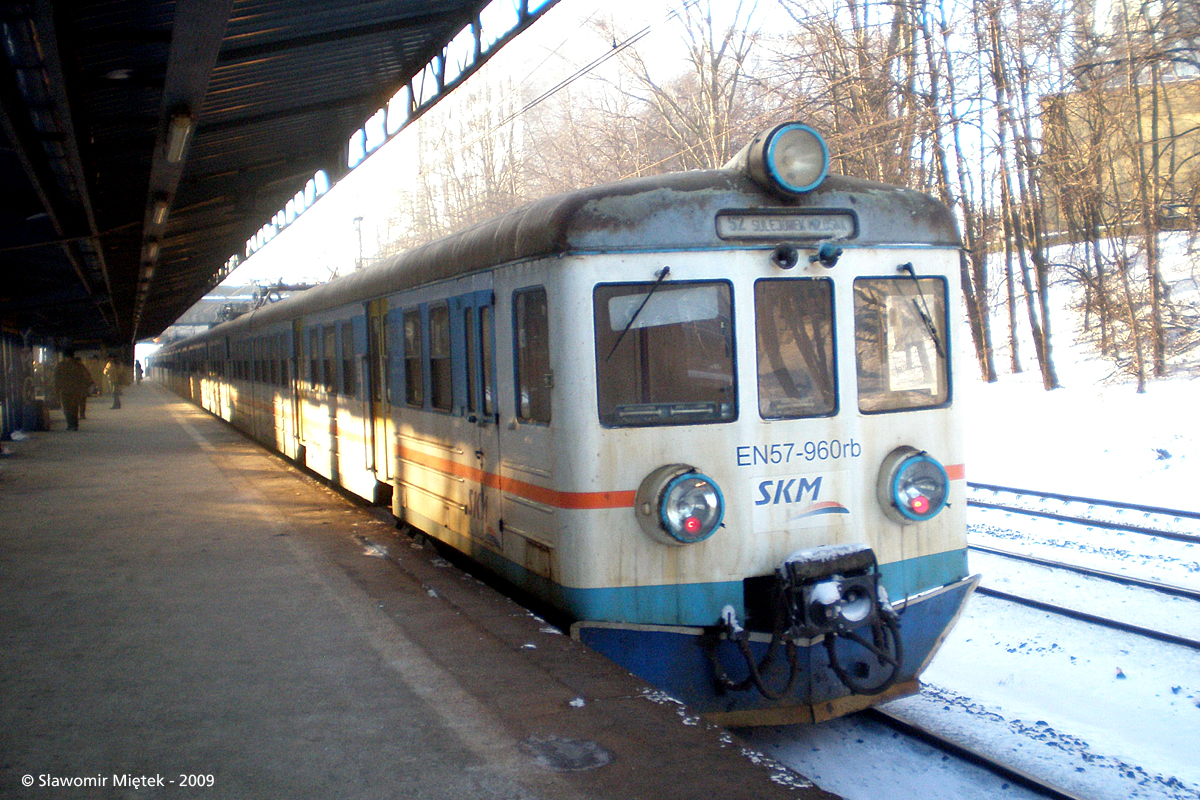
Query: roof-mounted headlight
[
  {"x": 678, "y": 505},
  {"x": 789, "y": 159}
]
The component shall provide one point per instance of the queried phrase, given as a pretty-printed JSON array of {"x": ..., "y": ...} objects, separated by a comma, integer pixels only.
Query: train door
[
  {"x": 475, "y": 314},
  {"x": 296, "y": 374},
  {"x": 224, "y": 402},
  {"x": 380, "y": 452},
  {"x": 528, "y": 509}
]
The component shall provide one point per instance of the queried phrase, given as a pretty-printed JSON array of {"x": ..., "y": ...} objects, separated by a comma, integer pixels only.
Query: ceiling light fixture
[
  {"x": 159, "y": 213},
  {"x": 177, "y": 137}
]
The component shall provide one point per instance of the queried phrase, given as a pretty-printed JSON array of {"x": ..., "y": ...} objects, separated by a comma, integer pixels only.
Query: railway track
[
  {"x": 1124, "y": 580},
  {"x": 1165, "y": 523},
  {"x": 1083, "y": 616},
  {"x": 1089, "y": 511},
  {"x": 1007, "y": 772}
]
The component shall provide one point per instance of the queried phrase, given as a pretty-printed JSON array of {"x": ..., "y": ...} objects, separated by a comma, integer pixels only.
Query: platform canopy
[{"x": 143, "y": 143}]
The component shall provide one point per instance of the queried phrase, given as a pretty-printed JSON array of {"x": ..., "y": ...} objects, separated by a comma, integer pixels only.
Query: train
[{"x": 708, "y": 416}]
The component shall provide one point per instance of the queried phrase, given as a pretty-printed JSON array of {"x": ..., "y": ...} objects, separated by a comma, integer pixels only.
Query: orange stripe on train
[{"x": 530, "y": 491}]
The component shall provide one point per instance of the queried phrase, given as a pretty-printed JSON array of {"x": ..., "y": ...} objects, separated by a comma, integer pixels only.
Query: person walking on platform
[
  {"x": 114, "y": 372},
  {"x": 72, "y": 381},
  {"x": 137, "y": 371}
]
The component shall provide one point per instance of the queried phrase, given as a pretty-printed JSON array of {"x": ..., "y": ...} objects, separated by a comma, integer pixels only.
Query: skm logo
[{"x": 788, "y": 490}]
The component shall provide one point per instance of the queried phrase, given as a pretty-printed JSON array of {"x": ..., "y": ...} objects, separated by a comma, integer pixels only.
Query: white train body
[{"x": 521, "y": 391}]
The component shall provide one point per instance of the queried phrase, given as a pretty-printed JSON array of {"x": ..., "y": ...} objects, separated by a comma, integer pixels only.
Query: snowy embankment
[{"x": 1089, "y": 439}]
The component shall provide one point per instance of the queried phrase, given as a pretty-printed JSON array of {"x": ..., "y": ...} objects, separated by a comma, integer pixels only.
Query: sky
[{"x": 327, "y": 237}]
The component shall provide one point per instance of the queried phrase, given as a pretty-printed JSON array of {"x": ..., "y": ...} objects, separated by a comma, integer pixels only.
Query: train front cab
[{"x": 798, "y": 394}]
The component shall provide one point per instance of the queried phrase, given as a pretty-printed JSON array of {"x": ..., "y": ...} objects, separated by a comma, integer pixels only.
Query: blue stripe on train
[{"x": 700, "y": 604}]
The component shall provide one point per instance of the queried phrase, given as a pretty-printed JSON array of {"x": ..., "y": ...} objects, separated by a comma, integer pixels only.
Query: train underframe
[{"x": 742, "y": 677}]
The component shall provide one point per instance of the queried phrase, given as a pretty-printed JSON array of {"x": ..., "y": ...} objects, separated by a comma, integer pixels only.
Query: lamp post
[{"x": 358, "y": 264}]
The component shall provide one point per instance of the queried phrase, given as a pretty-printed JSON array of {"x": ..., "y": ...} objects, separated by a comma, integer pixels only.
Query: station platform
[{"x": 178, "y": 605}]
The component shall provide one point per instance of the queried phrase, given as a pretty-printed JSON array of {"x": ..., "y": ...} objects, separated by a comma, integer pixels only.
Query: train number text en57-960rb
[{"x": 793, "y": 452}]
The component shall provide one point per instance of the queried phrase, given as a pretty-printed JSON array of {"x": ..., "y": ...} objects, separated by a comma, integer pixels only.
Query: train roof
[{"x": 670, "y": 212}]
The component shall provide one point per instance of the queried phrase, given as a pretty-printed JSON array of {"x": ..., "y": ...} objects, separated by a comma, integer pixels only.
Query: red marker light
[
  {"x": 692, "y": 524},
  {"x": 919, "y": 504}
]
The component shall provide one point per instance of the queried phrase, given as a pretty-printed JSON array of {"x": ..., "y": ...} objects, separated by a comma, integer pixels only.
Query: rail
[
  {"x": 1165, "y": 514},
  {"x": 1019, "y": 777}
]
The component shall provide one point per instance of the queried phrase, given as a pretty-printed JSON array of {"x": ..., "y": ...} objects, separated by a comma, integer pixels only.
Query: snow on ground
[
  {"x": 1103, "y": 713},
  {"x": 1088, "y": 438}
]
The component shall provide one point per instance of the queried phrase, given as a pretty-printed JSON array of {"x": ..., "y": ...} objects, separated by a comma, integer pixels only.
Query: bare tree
[{"x": 696, "y": 118}]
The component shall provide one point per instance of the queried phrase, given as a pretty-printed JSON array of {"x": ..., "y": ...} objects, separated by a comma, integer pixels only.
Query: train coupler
[{"x": 834, "y": 592}]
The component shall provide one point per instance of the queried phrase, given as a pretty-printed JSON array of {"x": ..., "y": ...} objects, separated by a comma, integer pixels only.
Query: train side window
[
  {"x": 441, "y": 378},
  {"x": 377, "y": 355},
  {"x": 329, "y": 347},
  {"x": 349, "y": 373},
  {"x": 284, "y": 348},
  {"x": 901, "y": 344},
  {"x": 265, "y": 346},
  {"x": 314, "y": 363},
  {"x": 531, "y": 334},
  {"x": 414, "y": 383},
  {"x": 489, "y": 360},
  {"x": 796, "y": 370},
  {"x": 472, "y": 358}
]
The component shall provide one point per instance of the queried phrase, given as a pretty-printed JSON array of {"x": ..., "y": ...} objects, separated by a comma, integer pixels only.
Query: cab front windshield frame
[
  {"x": 902, "y": 344},
  {"x": 665, "y": 353}
]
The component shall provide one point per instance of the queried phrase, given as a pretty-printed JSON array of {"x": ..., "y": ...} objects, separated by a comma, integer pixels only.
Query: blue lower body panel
[{"x": 679, "y": 661}]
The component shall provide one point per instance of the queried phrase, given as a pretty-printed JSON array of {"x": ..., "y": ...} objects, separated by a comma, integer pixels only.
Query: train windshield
[
  {"x": 664, "y": 353},
  {"x": 901, "y": 345},
  {"x": 796, "y": 374}
]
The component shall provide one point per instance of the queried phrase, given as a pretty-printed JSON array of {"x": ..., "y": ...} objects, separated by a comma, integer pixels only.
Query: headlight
[
  {"x": 791, "y": 158},
  {"x": 678, "y": 505},
  {"x": 913, "y": 486}
]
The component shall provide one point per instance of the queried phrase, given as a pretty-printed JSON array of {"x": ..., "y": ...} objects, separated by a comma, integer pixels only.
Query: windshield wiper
[
  {"x": 661, "y": 275},
  {"x": 923, "y": 310}
]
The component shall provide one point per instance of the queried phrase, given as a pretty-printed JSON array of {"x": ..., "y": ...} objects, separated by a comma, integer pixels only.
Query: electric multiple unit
[{"x": 710, "y": 415}]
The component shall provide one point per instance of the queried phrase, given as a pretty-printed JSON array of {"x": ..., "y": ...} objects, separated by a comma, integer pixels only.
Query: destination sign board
[{"x": 791, "y": 225}]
